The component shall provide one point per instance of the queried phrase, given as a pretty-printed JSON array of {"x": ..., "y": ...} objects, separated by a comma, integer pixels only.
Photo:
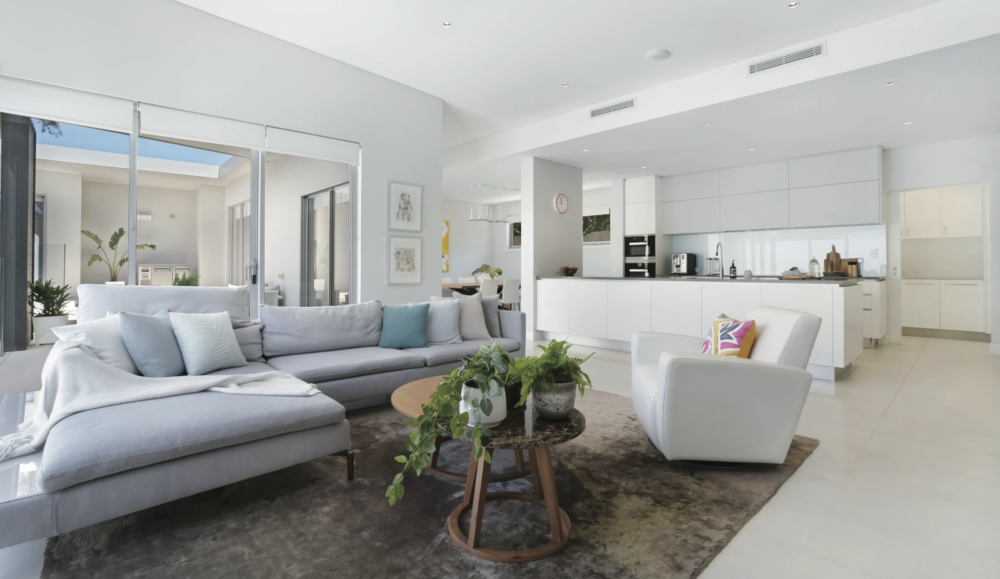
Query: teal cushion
[{"x": 404, "y": 326}]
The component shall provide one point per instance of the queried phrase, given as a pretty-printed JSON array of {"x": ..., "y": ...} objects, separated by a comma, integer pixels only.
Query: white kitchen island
[{"x": 605, "y": 312}]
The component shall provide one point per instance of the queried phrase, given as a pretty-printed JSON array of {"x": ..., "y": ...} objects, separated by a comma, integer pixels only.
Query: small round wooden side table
[
  {"x": 408, "y": 399},
  {"x": 520, "y": 430}
]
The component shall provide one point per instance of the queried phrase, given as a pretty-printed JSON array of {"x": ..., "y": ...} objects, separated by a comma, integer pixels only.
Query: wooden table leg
[
  {"x": 548, "y": 484},
  {"x": 536, "y": 478},
  {"x": 479, "y": 500},
  {"x": 470, "y": 478},
  {"x": 519, "y": 460},
  {"x": 437, "y": 451}
]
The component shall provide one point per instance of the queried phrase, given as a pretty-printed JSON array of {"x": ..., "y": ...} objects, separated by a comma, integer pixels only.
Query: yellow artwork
[{"x": 444, "y": 247}]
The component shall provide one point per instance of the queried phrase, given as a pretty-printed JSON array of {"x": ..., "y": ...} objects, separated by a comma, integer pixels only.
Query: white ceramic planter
[
  {"x": 43, "y": 328},
  {"x": 495, "y": 417}
]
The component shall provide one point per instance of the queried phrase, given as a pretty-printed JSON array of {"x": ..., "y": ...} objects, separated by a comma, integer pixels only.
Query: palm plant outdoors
[{"x": 113, "y": 262}]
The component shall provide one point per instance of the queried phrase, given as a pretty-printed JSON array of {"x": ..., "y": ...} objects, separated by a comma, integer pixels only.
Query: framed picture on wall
[
  {"x": 405, "y": 206},
  {"x": 404, "y": 260}
]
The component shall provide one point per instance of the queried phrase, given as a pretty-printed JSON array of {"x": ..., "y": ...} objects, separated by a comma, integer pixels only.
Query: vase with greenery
[
  {"x": 47, "y": 302},
  {"x": 187, "y": 280},
  {"x": 113, "y": 262},
  {"x": 486, "y": 270},
  {"x": 553, "y": 378},
  {"x": 485, "y": 372}
]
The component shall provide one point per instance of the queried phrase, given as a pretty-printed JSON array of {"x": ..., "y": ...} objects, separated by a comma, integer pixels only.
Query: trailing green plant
[
  {"x": 189, "y": 280},
  {"x": 440, "y": 417},
  {"x": 488, "y": 270},
  {"x": 554, "y": 366},
  {"x": 113, "y": 262},
  {"x": 47, "y": 299}
]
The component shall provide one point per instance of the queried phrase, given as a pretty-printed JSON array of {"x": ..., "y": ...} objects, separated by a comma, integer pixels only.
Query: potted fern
[
  {"x": 552, "y": 379},
  {"x": 47, "y": 302},
  {"x": 113, "y": 262}
]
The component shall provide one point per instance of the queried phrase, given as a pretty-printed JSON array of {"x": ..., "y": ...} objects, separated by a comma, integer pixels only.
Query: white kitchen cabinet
[
  {"x": 962, "y": 211},
  {"x": 694, "y": 216},
  {"x": 768, "y": 210},
  {"x": 921, "y": 303},
  {"x": 874, "y": 309},
  {"x": 552, "y": 305},
  {"x": 835, "y": 168},
  {"x": 833, "y": 205},
  {"x": 628, "y": 308},
  {"x": 816, "y": 300},
  {"x": 921, "y": 213},
  {"x": 641, "y": 189},
  {"x": 754, "y": 178},
  {"x": 676, "y": 308},
  {"x": 588, "y": 308},
  {"x": 731, "y": 298},
  {"x": 640, "y": 218},
  {"x": 691, "y": 186},
  {"x": 963, "y": 305}
]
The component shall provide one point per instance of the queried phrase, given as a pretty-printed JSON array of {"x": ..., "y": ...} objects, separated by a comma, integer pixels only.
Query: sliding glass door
[{"x": 325, "y": 247}]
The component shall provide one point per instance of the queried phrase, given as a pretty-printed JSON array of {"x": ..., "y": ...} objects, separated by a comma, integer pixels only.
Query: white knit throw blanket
[{"x": 75, "y": 380}]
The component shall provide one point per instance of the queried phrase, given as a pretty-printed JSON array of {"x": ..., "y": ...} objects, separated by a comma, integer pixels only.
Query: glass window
[{"x": 514, "y": 235}]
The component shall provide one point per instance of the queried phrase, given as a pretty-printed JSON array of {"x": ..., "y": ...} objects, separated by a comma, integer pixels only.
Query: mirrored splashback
[{"x": 770, "y": 252}]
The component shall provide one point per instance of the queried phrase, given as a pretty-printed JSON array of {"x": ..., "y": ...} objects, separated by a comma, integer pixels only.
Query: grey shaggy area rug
[{"x": 634, "y": 514}]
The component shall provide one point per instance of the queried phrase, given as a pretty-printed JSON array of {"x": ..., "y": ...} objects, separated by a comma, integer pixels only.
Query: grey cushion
[
  {"x": 151, "y": 343},
  {"x": 441, "y": 354},
  {"x": 250, "y": 368},
  {"x": 320, "y": 366},
  {"x": 491, "y": 311},
  {"x": 442, "y": 322},
  {"x": 375, "y": 389},
  {"x": 104, "y": 441},
  {"x": 251, "y": 342},
  {"x": 290, "y": 331},
  {"x": 97, "y": 300},
  {"x": 471, "y": 321},
  {"x": 207, "y": 342}
]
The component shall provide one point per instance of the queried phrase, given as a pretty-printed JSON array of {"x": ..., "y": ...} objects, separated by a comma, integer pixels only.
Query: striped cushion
[{"x": 729, "y": 337}]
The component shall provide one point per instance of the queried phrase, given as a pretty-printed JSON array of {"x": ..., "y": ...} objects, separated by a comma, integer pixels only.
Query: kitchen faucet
[{"x": 721, "y": 255}]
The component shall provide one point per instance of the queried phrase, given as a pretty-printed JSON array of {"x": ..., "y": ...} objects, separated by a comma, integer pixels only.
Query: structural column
[{"x": 17, "y": 202}]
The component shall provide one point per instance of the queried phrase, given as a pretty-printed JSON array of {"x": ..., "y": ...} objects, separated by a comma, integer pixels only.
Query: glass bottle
[
  {"x": 813, "y": 267},
  {"x": 732, "y": 270}
]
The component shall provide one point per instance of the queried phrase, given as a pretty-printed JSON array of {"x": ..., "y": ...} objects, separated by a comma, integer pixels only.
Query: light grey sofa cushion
[
  {"x": 97, "y": 300},
  {"x": 290, "y": 331},
  {"x": 104, "y": 441},
  {"x": 207, "y": 342},
  {"x": 441, "y": 354},
  {"x": 251, "y": 342},
  {"x": 320, "y": 366},
  {"x": 103, "y": 337},
  {"x": 471, "y": 321},
  {"x": 442, "y": 322},
  {"x": 151, "y": 343},
  {"x": 250, "y": 368},
  {"x": 491, "y": 311}
]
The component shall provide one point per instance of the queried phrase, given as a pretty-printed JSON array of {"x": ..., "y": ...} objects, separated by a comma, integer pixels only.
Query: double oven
[{"x": 640, "y": 256}]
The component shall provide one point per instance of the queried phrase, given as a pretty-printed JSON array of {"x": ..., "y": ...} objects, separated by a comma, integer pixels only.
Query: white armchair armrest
[{"x": 647, "y": 346}]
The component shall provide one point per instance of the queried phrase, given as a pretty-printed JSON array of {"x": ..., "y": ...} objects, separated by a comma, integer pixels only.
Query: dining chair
[
  {"x": 489, "y": 287},
  {"x": 511, "y": 295},
  {"x": 446, "y": 280},
  {"x": 466, "y": 280}
]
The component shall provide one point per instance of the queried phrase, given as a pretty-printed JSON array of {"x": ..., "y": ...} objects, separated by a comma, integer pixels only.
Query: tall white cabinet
[{"x": 945, "y": 212}]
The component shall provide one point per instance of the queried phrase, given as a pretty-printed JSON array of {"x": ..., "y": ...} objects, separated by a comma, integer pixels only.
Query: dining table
[{"x": 467, "y": 288}]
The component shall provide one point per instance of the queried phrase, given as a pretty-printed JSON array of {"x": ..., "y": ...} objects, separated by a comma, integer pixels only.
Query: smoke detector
[{"x": 658, "y": 54}]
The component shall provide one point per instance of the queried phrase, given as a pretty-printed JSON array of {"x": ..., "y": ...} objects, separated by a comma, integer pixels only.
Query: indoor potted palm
[
  {"x": 471, "y": 396},
  {"x": 113, "y": 262},
  {"x": 552, "y": 379},
  {"x": 47, "y": 302}
]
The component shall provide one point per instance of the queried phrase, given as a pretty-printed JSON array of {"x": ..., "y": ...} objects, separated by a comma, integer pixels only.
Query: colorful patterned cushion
[{"x": 729, "y": 337}]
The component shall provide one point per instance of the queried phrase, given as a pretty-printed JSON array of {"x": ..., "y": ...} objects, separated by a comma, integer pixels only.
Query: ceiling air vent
[
  {"x": 798, "y": 55},
  {"x": 613, "y": 108}
]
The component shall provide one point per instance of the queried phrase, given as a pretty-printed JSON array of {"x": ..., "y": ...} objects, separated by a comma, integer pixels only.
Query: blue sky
[{"x": 77, "y": 137}]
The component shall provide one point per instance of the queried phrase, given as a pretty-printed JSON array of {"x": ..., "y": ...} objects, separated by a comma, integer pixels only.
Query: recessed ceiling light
[
  {"x": 751, "y": 149},
  {"x": 585, "y": 150},
  {"x": 908, "y": 123},
  {"x": 658, "y": 54},
  {"x": 793, "y": 4},
  {"x": 643, "y": 167},
  {"x": 704, "y": 124},
  {"x": 446, "y": 24},
  {"x": 890, "y": 83},
  {"x": 565, "y": 84}
]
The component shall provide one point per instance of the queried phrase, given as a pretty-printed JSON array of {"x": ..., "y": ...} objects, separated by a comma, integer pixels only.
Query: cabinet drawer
[
  {"x": 845, "y": 167},
  {"x": 754, "y": 211},
  {"x": 640, "y": 218},
  {"x": 640, "y": 189},
  {"x": 921, "y": 304},
  {"x": 691, "y": 186}
]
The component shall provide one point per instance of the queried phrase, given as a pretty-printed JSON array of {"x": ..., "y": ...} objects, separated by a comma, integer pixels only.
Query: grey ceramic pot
[{"x": 554, "y": 405}]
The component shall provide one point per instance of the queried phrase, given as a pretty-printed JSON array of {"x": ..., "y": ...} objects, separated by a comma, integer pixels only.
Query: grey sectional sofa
[{"x": 109, "y": 462}]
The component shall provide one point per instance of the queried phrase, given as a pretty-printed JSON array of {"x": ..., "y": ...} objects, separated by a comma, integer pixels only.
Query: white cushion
[
  {"x": 102, "y": 336},
  {"x": 442, "y": 322},
  {"x": 471, "y": 321},
  {"x": 207, "y": 342}
]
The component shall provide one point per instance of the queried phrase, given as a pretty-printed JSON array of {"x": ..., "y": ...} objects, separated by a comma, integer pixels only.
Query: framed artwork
[
  {"x": 405, "y": 206},
  {"x": 404, "y": 260},
  {"x": 445, "y": 226}
]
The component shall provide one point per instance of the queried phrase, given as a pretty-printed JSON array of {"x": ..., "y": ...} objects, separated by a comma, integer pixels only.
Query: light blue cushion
[
  {"x": 207, "y": 342},
  {"x": 404, "y": 326},
  {"x": 151, "y": 343},
  {"x": 442, "y": 322}
]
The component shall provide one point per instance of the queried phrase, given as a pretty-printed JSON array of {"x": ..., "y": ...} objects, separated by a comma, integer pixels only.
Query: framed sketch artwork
[
  {"x": 404, "y": 260},
  {"x": 405, "y": 206}
]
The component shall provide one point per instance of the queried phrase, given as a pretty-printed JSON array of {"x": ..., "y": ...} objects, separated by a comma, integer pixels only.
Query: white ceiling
[
  {"x": 500, "y": 64},
  {"x": 948, "y": 94}
]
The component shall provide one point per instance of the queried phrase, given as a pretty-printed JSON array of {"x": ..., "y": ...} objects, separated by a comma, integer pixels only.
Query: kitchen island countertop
[{"x": 838, "y": 282}]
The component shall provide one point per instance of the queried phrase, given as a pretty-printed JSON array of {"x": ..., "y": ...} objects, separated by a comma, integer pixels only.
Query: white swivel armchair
[{"x": 698, "y": 406}]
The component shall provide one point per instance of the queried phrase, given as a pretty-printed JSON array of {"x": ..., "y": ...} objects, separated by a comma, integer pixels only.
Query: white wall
[
  {"x": 961, "y": 162},
  {"x": 549, "y": 239},
  {"x": 64, "y": 203},
  {"x": 271, "y": 82},
  {"x": 470, "y": 243},
  {"x": 210, "y": 202}
]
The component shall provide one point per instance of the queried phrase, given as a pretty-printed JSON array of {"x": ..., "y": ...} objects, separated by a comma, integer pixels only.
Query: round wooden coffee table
[
  {"x": 519, "y": 431},
  {"x": 408, "y": 400}
]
